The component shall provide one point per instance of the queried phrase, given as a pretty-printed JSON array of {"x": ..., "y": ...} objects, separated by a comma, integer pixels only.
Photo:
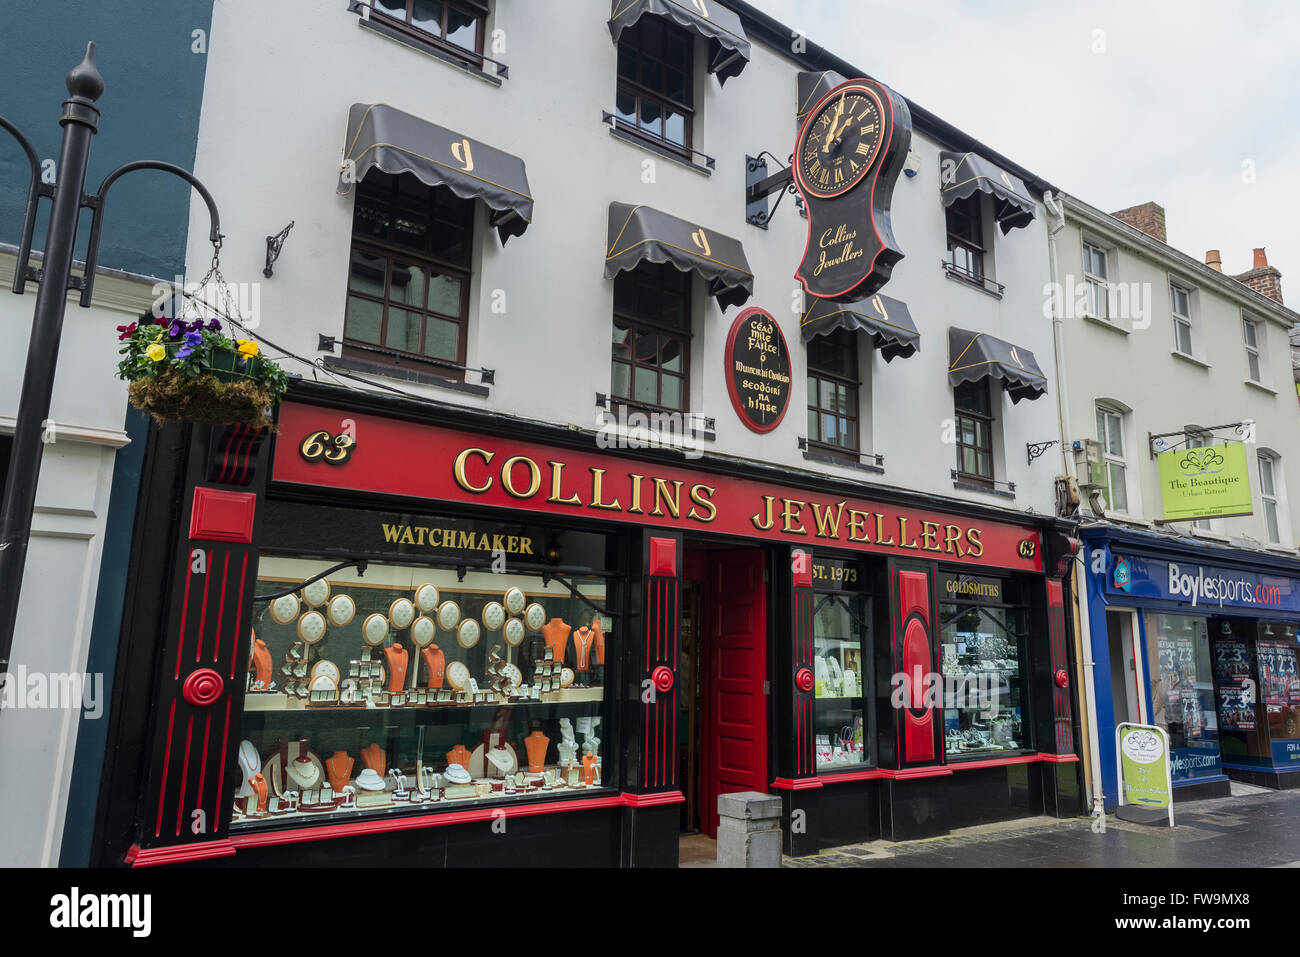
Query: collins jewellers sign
[{"x": 1200, "y": 586}]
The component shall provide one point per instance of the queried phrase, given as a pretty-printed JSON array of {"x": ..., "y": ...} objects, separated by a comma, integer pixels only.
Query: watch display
[{"x": 367, "y": 677}]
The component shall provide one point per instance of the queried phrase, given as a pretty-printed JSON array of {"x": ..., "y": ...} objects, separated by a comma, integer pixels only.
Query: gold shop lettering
[
  {"x": 556, "y": 483},
  {"x": 841, "y": 236},
  {"x": 461, "y": 539}
]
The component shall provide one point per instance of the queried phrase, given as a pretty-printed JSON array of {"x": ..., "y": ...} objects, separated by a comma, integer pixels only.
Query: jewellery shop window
[
  {"x": 840, "y": 652},
  {"x": 982, "y": 642},
  {"x": 416, "y": 686}
]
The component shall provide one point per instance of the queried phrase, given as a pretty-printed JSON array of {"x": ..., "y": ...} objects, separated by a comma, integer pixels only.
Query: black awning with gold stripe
[
  {"x": 962, "y": 174},
  {"x": 384, "y": 138},
  {"x": 811, "y": 87},
  {"x": 643, "y": 234},
  {"x": 973, "y": 356},
  {"x": 729, "y": 48},
  {"x": 887, "y": 321}
]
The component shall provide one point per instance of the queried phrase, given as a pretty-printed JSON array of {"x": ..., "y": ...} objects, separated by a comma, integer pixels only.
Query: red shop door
[{"x": 736, "y": 725}]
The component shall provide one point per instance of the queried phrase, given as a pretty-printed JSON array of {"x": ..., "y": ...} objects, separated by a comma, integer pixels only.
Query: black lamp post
[{"x": 80, "y": 121}]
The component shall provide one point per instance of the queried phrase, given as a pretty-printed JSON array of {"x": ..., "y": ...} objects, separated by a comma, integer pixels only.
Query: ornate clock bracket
[{"x": 759, "y": 186}]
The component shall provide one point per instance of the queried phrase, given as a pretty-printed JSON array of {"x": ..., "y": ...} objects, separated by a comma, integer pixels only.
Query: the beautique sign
[
  {"x": 1145, "y": 780},
  {"x": 758, "y": 370},
  {"x": 427, "y": 462},
  {"x": 848, "y": 155},
  {"x": 1211, "y": 481}
]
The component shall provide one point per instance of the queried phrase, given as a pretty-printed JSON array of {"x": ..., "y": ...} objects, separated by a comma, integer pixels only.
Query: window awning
[
  {"x": 396, "y": 142},
  {"x": 729, "y": 49},
  {"x": 961, "y": 174},
  {"x": 812, "y": 87},
  {"x": 973, "y": 356},
  {"x": 641, "y": 233},
  {"x": 887, "y": 321}
]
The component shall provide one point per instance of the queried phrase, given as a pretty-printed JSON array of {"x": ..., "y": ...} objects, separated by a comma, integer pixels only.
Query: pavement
[{"x": 1256, "y": 827}]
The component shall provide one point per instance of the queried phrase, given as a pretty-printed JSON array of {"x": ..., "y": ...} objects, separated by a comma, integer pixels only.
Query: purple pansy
[
  {"x": 192, "y": 341},
  {"x": 214, "y": 325}
]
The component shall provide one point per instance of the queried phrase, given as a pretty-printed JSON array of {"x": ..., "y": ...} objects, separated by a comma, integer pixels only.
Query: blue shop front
[{"x": 1202, "y": 641}]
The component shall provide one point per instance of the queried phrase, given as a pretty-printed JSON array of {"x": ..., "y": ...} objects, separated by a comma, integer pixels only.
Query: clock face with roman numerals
[{"x": 840, "y": 142}]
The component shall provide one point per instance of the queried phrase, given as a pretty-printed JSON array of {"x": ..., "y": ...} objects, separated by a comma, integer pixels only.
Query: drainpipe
[{"x": 1083, "y": 637}]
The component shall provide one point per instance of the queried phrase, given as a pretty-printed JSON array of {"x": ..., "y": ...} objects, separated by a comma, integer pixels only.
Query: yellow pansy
[
  {"x": 247, "y": 347},
  {"x": 155, "y": 352}
]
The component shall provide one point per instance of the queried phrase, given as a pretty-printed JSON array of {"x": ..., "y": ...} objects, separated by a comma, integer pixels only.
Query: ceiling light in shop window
[{"x": 553, "y": 550}]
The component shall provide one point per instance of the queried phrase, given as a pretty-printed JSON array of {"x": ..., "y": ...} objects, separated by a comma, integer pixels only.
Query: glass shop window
[
  {"x": 982, "y": 646},
  {"x": 414, "y": 687},
  {"x": 1279, "y": 681},
  {"x": 841, "y": 653},
  {"x": 1182, "y": 692}
]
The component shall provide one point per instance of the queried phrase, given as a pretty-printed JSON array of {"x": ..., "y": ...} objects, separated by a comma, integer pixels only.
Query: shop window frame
[
  {"x": 866, "y": 569},
  {"x": 1254, "y": 328},
  {"x": 1097, "y": 284},
  {"x": 381, "y": 354},
  {"x": 655, "y": 275},
  {"x": 631, "y": 41},
  {"x": 476, "y": 8},
  {"x": 1184, "y": 320},
  {"x": 967, "y": 247},
  {"x": 978, "y": 417},
  {"x": 1031, "y": 611},
  {"x": 847, "y": 341},
  {"x": 1106, "y": 412},
  {"x": 1275, "y": 498},
  {"x": 615, "y": 575}
]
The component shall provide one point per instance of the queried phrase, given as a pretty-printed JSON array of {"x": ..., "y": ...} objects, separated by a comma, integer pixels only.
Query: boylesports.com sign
[{"x": 1197, "y": 585}]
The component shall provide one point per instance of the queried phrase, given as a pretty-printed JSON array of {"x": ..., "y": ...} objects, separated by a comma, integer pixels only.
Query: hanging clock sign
[
  {"x": 758, "y": 370},
  {"x": 847, "y": 158}
]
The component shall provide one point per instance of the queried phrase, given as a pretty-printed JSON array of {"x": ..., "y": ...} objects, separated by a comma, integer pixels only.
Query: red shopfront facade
[{"x": 448, "y": 638}]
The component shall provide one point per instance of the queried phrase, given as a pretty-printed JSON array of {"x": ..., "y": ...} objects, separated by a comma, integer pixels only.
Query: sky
[{"x": 1192, "y": 104}]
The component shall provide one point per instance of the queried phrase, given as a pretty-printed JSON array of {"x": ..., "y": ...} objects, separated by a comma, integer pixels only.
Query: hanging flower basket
[{"x": 190, "y": 371}]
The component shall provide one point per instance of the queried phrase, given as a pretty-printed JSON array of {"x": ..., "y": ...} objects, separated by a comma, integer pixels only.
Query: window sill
[
  {"x": 403, "y": 374},
  {"x": 640, "y": 142},
  {"x": 1126, "y": 518},
  {"x": 1260, "y": 386},
  {"x": 843, "y": 463},
  {"x": 997, "y": 492},
  {"x": 1107, "y": 324},
  {"x": 431, "y": 49},
  {"x": 1190, "y": 358},
  {"x": 973, "y": 283},
  {"x": 1280, "y": 550}
]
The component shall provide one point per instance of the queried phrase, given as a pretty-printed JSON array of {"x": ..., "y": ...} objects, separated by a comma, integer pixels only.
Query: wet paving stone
[{"x": 1255, "y": 830}]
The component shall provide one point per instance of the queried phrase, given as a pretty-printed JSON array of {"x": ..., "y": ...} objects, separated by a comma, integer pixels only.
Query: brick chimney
[
  {"x": 1214, "y": 260},
  {"x": 1263, "y": 278},
  {"x": 1149, "y": 217}
]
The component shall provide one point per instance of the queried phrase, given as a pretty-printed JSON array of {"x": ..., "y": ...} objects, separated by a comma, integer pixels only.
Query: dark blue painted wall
[{"x": 153, "y": 92}]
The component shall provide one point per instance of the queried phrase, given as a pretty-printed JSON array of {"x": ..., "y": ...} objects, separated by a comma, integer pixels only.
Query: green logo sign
[
  {"x": 1212, "y": 481},
  {"x": 1144, "y": 759}
]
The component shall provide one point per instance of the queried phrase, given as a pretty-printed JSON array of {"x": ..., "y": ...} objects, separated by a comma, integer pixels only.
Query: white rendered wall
[
  {"x": 279, "y": 84},
  {"x": 1167, "y": 392},
  {"x": 62, "y": 573}
]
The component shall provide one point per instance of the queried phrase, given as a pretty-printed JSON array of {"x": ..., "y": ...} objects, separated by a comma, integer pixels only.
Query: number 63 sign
[{"x": 321, "y": 445}]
